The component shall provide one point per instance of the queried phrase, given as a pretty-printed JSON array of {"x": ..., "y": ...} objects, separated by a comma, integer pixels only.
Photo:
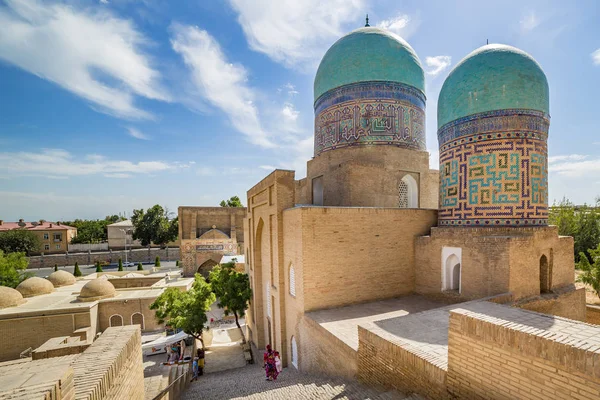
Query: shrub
[
  {"x": 140, "y": 267},
  {"x": 157, "y": 261},
  {"x": 56, "y": 267},
  {"x": 77, "y": 271},
  {"x": 177, "y": 263},
  {"x": 120, "y": 264},
  {"x": 98, "y": 267}
]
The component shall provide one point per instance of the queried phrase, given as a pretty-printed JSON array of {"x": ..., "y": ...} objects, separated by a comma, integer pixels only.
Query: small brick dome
[
  {"x": 61, "y": 278},
  {"x": 10, "y": 297},
  {"x": 96, "y": 289},
  {"x": 35, "y": 286}
]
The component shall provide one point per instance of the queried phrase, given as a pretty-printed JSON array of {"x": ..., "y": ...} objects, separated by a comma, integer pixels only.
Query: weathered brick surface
[
  {"x": 136, "y": 255},
  {"x": 593, "y": 314},
  {"x": 568, "y": 303},
  {"x": 498, "y": 352}
]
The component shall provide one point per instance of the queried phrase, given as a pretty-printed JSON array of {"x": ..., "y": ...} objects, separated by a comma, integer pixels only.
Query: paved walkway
[{"x": 249, "y": 383}]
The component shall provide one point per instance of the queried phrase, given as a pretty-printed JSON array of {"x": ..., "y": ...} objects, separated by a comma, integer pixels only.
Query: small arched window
[
  {"x": 294, "y": 352},
  {"x": 292, "y": 281},
  {"x": 138, "y": 319},
  {"x": 408, "y": 192},
  {"x": 116, "y": 320}
]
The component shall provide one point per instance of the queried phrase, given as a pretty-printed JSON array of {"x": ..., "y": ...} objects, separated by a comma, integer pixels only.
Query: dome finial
[{"x": 367, "y": 23}]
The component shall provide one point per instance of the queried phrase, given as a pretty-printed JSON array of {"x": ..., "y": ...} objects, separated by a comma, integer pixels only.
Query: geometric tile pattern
[
  {"x": 494, "y": 176},
  {"x": 370, "y": 113}
]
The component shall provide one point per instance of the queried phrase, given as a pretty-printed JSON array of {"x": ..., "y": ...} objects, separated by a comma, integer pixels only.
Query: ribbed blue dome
[
  {"x": 493, "y": 77},
  {"x": 369, "y": 54}
]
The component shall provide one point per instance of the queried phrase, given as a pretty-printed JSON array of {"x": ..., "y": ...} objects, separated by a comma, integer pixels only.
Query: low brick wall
[
  {"x": 568, "y": 303},
  {"x": 320, "y": 352},
  {"x": 593, "y": 314},
  {"x": 515, "y": 354},
  {"x": 386, "y": 364},
  {"x": 137, "y": 255}
]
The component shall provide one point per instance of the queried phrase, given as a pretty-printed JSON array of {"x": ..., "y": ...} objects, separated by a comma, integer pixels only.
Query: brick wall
[
  {"x": 137, "y": 255},
  {"x": 320, "y": 352},
  {"x": 593, "y": 314},
  {"x": 565, "y": 303},
  {"x": 384, "y": 363},
  {"x": 126, "y": 309},
  {"x": 507, "y": 353}
]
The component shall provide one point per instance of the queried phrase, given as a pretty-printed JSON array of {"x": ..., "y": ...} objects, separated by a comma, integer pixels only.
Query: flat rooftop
[{"x": 343, "y": 322}]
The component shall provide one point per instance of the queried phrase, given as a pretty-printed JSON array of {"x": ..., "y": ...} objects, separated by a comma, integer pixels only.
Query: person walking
[
  {"x": 278, "y": 365},
  {"x": 269, "y": 364},
  {"x": 200, "y": 354}
]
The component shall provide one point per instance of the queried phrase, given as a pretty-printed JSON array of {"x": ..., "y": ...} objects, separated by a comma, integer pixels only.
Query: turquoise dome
[
  {"x": 369, "y": 54},
  {"x": 493, "y": 77}
]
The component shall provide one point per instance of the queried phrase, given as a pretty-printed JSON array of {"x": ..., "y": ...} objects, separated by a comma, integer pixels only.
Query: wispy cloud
[
  {"x": 403, "y": 25},
  {"x": 267, "y": 167},
  {"x": 574, "y": 165},
  {"x": 289, "y": 113},
  {"x": 68, "y": 46},
  {"x": 529, "y": 22},
  {"x": 289, "y": 89},
  {"x": 218, "y": 81},
  {"x": 136, "y": 133},
  {"x": 63, "y": 164},
  {"x": 596, "y": 57},
  {"x": 295, "y": 33},
  {"x": 436, "y": 65}
]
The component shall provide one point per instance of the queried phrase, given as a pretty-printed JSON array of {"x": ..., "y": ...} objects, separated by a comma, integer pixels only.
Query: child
[
  {"x": 278, "y": 362},
  {"x": 195, "y": 369}
]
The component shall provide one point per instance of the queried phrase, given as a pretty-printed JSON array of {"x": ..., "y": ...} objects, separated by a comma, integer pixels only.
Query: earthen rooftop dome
[
  {"x": 35, "y": 286},
  {"x": 96, "y": 289},
  {"x": 10, "y": 297},
  {"x": 61, "y": 278}
]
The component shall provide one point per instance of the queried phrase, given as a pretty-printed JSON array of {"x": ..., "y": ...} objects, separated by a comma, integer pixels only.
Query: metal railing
[{"x": 167, "y": 390}]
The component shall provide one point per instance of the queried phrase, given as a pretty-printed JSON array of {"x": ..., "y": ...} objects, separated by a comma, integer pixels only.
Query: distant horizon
[{"x": 115, "y": 105}]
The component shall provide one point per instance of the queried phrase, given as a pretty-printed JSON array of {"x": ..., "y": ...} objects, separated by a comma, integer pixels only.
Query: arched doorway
[
  {"x": 116, "y": 320},
  {"x": 138, "y": 319},
  {"x": 206, "y": 267},
  {"x": 452, "y": 273},
  {"x": 544, "y": 275},
  {"x": 408, "y": 192}
]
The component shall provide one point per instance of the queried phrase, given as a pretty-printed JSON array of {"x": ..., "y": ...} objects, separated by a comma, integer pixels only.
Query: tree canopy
[
  {"x": 154, "y": 226},
  {"x": 580, "y": 222},
  {"x": 12, "y": 269},
  {"x": 19, "y": 241},
  {"x": 232, "y": 289},
  {"x": 185, "y": 310},
  {"x": 233, "y": 201},
  {"x": 93, "y": 230},
  {"x": 590, "y": 271}
]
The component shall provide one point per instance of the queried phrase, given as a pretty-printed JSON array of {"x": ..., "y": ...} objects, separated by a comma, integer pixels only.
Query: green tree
[
  {"x": 590, "y": 271},
  {"x": 19, "y": 241},
  {"x": 140, "y": 267},
  {"x": 12, "y": 269},
  {"x": 157, "y": 261},
  {"x": 185, "y": 310},
  {"x": 233, "y": 291},
  {"x": 77, "y": 271},
  {"x": 580, "y": 222},
  {"x": 98, "y": 266},
  {"x": 55, "y": 267},
  {"x": 120, "y": 264},
  {"x": 154, "y": 226},
  {"x": 177, "y": 263},
  {"x": 233, "y": 201}
]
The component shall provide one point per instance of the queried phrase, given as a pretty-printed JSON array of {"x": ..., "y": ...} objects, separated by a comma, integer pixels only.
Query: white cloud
[
  {"x": 436, "y": 65},
  {"x": 289, "y": 88},
  {"x": 295, "y": 33},
  {"x": 267, "y": 167},
  {"x": 69, "y": 47},
  {"x": 218, "y": 81},
  {"x": 136, "y": 133},
  {"x": 63, "y": 164},
  {"x": 289, "y": 113},
  {"x": 403, "y": 25},
  {"x": 574, "y": 165},
  {"x": 596, "y": 57},
  {"x": 529, "y": 22},
  {"x": 118, "y": 176},
  {"x": 104, "y": 1}
]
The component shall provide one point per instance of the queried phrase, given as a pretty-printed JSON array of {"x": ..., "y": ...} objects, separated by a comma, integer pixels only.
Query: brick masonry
[
  {"x": 133, "y": 255},
  {"x": 593, "y": 314}
]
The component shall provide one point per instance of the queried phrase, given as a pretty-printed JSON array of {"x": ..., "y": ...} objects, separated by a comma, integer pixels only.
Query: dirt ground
[{"x": 590, "y": 295}]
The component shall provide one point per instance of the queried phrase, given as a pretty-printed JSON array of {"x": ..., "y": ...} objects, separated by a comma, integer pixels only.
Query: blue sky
[{"x": 111, "y": 105}]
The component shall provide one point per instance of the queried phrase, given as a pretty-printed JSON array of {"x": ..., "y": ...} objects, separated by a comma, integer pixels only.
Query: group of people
[
  {"x": 198, "y": 364},
  {"x": 272, "y": 363},
  {"x": 175, "y": 351}
]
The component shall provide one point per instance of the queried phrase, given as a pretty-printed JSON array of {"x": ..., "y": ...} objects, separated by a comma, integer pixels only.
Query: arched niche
[
  {"x": 408, "y": 192},
  {"x": 451, "y": 269},
  {"x": 115, "y": 320}
]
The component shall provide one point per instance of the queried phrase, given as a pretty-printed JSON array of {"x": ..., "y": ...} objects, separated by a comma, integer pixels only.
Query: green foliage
[
  {"x": 120, "y": 264},
  {"x": 93, "y": 231},
  {"x": 154, "y": 226},
  {"x": 140, "y": 267},
  {"x": 12, "y": 269},
  {"x": 77, "y": 271},
  {"x": 185, "y": 310},
  {"x": 590, "y": 271},
  {"x": 55, "y": 267},
  {"x": 234, "y": 201},
  {"x": 19, "y": 241},
  {"x": 580, "y": 222},
  {"x": 98, "y": 267},
  {"x": 232, "y": 289},
  {"x": 157, "y": 261},
  {"x": 177, "y": 263}
]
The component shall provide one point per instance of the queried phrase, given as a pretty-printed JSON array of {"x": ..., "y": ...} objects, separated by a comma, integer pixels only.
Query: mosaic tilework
[
  {"x": 492, "y": 177},
  {"x": 372, "y": 113}
]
